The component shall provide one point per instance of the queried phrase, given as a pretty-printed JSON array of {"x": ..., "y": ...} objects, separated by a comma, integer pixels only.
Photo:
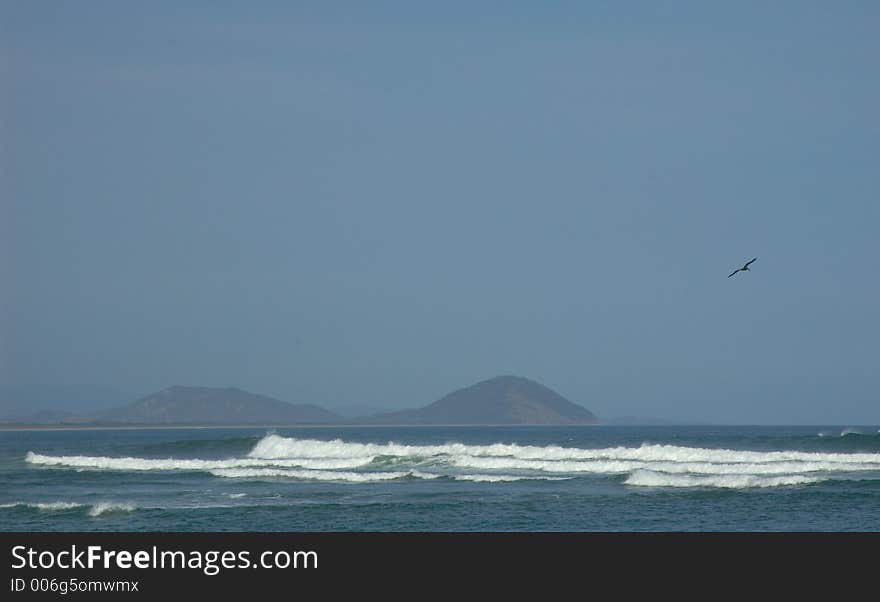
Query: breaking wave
[
  {"x": 649, "y": 478},
  {"x": 850, "y": 432},
  {"x": 647, "y": 465},
  {"x": 92, "y": 509},
  {"x": 316, "y": 475},
  {"x": 44, "y": 506},
  {"x": 110, "y": 507}
]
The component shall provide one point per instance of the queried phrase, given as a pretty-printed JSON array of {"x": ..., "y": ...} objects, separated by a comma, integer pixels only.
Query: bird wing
[
  {"x": 734, "y": 272},
  {"x": 747, "y": 265}
]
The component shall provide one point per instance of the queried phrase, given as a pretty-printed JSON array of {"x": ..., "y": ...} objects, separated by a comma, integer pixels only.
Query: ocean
[{"x": 429, "y": 478}]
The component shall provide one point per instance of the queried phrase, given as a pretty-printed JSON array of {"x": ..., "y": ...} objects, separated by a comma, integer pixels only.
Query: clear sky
[{"x": 380, "y": 202}]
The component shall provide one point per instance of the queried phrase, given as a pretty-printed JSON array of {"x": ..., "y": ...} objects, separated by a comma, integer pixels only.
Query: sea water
[{"x": 428, "y": 478}]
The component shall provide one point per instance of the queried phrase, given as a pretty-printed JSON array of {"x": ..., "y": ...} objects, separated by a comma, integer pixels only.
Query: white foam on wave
[
  {"x": 138, "y": 464},
  {"x": 274, "y": 450},
  {"x": 312, "y": 475},
  {"x": 94, "y": 510},
  {"x": 277, "y": 447},
  {"x": 110, "y": 507},
  {"x": 621, "y": 466},
  {"x": 504, "y": 478},
  {"x": 338, "y": 460},
  {"x": 649, "y": 478},
  {"x": 45, "y": 506}
]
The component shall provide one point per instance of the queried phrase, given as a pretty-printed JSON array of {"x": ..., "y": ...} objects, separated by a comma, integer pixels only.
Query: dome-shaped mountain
[{"x": 499, "y": 400}]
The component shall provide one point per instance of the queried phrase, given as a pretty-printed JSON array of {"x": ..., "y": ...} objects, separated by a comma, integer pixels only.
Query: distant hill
[
  {"x": 208, "y": 405},
  {"x": 499, "y": 400}
]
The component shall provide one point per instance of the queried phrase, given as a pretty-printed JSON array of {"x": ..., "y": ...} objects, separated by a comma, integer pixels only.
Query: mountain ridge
[
  {"x": 501, "y": 400},
  {"x": 212, "y": 405}
]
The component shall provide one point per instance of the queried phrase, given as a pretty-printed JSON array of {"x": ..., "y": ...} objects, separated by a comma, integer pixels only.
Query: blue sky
[{"x": 377, "y": 203}]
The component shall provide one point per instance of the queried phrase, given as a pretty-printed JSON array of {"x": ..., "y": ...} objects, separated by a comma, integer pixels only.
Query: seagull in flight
[{"x": 745, "y": 268}]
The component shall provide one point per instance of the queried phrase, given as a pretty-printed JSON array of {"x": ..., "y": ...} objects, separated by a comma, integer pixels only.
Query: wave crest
[
  {"x": 93, "y": 509},
  {"x": 275, "y": 456},
  {"x": 649, "y": 478}
]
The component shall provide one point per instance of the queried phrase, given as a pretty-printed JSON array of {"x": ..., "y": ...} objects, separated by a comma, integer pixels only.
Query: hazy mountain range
[
  {"x": 499, "y": 400},
  {"x": 209, "y": 405}
]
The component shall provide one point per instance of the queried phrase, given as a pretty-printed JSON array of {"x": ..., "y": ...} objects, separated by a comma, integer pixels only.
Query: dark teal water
[{"x": 588, "y": 478}]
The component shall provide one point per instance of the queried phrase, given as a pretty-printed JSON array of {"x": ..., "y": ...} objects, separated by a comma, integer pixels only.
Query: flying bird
[{"x": 745, "y": 268}]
